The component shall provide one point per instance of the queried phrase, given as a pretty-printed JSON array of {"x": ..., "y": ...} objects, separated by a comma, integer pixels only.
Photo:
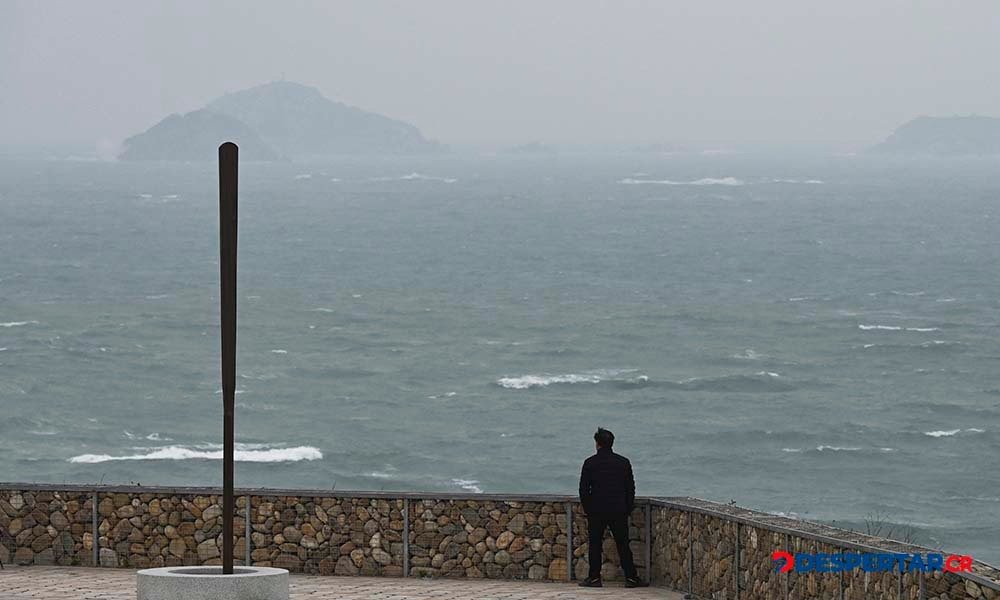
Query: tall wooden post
[{"x": 228, "y": 170}]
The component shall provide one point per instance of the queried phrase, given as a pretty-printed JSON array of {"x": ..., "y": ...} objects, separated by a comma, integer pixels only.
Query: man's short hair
[{"x": 604, "y": 438}]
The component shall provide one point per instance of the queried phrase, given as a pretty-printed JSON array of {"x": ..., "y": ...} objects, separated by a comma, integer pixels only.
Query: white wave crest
[
  {"x": 897, "y": 328},
  {"x": 428, "y": 178},
  {"x": 543, "y": 380},
  {"x": 974, "y": 498},
  {"x": 416, "y": 177},
  {"x": 469, "y": 485},
  {"x": 942, "y": 433},
  {"x": 279, "y": 351},
  {"x": 833, "y": 449},
  {"x": 952, "y": 432},
  {"x": 803, "y": 181},
  {"x": 262, "y": 455},
  {"x": 529, "y": 381},
  {"x": 153, "y": 437},
  {"x": 303, "y": 176},
  {"x": 704, "y": 181},
  {"x": 18, "y": 323}
]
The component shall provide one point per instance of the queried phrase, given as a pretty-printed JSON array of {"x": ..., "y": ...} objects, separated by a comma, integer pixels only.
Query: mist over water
[{"x": 811, "y": 336}]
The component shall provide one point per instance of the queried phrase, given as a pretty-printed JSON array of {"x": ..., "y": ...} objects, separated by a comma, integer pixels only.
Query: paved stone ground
[{"x": 75, "y": 583}]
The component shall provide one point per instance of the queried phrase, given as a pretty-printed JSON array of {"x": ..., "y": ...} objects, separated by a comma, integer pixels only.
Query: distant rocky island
[
  {"x": 274, "y": 121},
  {"x": 195, "y": 136},
  {"x": 944, "y": 136}
]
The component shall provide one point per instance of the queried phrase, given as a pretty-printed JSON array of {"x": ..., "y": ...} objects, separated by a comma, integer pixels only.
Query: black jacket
[{"x": 606, "y": 484}]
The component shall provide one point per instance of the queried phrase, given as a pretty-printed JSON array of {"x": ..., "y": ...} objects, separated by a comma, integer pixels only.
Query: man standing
[{"x": 607, "y": 493}]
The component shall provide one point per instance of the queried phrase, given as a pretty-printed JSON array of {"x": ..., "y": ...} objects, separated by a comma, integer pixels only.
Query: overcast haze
[{"x": 840, "y": 73}]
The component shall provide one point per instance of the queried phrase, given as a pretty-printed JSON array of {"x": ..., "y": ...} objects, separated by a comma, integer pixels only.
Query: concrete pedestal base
[{"x": 208, "y": 583}]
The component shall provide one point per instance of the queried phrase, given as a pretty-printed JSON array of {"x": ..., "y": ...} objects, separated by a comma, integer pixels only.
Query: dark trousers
[{"x": 596, "y": 524}]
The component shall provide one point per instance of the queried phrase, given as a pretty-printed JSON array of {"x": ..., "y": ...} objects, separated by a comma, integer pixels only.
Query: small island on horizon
[
  {"x": 280, "y": 120},
  {"x": 943, "y": 136}
]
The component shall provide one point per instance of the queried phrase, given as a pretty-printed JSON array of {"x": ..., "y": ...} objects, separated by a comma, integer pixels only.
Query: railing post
[
  {"x": 788, "y": 548},
  {"x": 690, "y": 554},
  {"x": 570, "y": 546},
  {"x": 406, "y": 537},
  {"x": 246, "y": 518},
  {"x": 736, "y": 561},
  {"x": 649, "y": 552},
  {"x": 95, "y": 553}
]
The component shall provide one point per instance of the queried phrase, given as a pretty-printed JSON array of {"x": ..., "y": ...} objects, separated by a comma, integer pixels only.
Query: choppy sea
[{"x": 812, "y": 336}]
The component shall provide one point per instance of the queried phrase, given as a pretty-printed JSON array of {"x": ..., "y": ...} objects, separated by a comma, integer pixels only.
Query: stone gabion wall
[
  {"x": 758, "y": 580},
  {"x": 671, "y": 559},
  {"x": 713, "y": 547},
  {"x": 715, "y": 564},
  {"x": 859, "y": 585},
  {"x": 714, "y": 551},
  {"x": 148, "y": 530},
  {"x": 328, "y": 536},
  {"x": 947, "y": 586},
  {"x": 47, "y": 528},
  {"x": 814, "y": 586},
  {"x": 611, "y": 563},
  {"x": 488, "y": 539}
]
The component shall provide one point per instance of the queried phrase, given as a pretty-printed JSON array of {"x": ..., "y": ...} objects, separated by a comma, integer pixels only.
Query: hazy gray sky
[{"x": 566, "y": 71}]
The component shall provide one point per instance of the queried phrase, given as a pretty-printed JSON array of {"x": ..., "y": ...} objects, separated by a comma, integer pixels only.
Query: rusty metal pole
[{"x": 228, "y": 169}]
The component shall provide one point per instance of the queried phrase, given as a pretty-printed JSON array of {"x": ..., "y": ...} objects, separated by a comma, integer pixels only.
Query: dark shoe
[
  {"x": 592, "y": 582},
  {"x": 634, "y": 582}
]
